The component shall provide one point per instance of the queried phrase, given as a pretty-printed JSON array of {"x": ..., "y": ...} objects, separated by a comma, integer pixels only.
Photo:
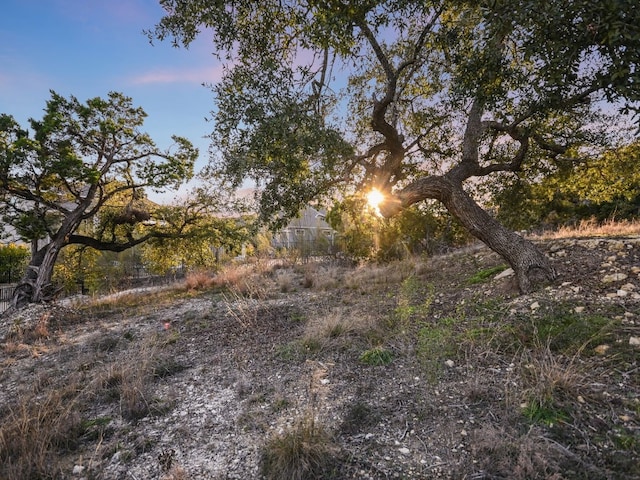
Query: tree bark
[
  {"x": 530, "y": 265},
  {"x": 35, "y": 286}
]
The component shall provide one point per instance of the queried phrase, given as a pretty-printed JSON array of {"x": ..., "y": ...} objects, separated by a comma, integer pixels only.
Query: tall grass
[{"x": 593, "y": 228}]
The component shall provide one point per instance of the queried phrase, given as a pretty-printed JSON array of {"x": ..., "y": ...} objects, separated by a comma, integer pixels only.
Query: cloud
[{"x": 164, "y": 76}]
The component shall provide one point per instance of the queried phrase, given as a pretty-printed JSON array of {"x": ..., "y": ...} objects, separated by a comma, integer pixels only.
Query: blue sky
[{"x": 87, "y": 48}]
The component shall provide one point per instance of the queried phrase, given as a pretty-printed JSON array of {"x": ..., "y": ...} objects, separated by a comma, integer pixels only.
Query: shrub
[{"x": 376, "y": 356}]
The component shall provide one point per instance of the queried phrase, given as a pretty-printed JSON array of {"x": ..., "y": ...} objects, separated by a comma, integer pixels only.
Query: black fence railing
[{"x": 6, "y": 293}]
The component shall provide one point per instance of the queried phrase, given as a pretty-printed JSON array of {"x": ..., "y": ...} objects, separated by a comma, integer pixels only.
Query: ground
[{"x": 430, "y": 368}]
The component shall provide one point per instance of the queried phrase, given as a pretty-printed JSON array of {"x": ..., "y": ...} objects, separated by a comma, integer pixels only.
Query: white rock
[
  {"x": 635, "y": 341},
  {"x": 504, "y": 274},
  {"x": 614, "y": 277},
  {"x": 78, "y": 469},
  {"x": 535, "y": 306},
  {"x": 622, "y": 293},
  {"x": 404, "y": 451},
  {"x": 628, "y": 287},
  {"x": 449, "y": 363},
  {"x": 578, "y": 309}
]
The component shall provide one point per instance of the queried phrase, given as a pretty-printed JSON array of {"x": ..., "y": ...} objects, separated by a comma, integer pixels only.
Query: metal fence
[{"x": 6, "y": 292}]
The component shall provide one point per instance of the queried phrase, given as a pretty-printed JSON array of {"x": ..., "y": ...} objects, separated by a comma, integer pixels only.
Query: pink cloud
[{"x": 198, "y": 75}]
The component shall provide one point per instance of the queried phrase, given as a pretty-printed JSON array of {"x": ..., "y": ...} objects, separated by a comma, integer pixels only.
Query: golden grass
[
  {"x": 304, "y": 451},
  {"x": 35, "y": 429},
  {"x": 593, "y": 228},
  {"x": 198, "y": 280}
]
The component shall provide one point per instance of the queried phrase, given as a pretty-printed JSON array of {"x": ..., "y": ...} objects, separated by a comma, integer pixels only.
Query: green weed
[
  {"x": 562, "y": 330},
  {"x": 544, "y": 414},
  {"x": 437, "y": 342},
  {"x": 414, "y": 300},
  {"x": 482, "y": 275},
  {"x": 376, "y": 356}
]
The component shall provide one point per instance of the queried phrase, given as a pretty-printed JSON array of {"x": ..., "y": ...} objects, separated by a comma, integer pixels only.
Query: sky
[{"x": 88, "y": 48}]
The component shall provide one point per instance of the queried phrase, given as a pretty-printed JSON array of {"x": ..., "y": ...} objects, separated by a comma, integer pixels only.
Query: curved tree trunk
[
  {"x": 529, "y": 264},
  {"x": 36, "y": 285}
]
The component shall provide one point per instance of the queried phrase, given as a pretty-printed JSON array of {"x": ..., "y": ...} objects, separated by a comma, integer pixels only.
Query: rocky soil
[{"x": 426, "y": 369}]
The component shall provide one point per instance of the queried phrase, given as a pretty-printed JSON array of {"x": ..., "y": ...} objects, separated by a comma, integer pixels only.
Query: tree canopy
[
  {"x": 420, "y": 99},
  {"x": 79, "y": 177}
]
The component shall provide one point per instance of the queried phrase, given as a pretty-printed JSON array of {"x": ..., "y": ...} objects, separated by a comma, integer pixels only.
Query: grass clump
[
  {"x": 36, "y": 431},
  {"x": 414, "y": 300},
  {"x": 550, "y": 383},
  {"x": 376, "y": 356},
  {"x": 486, "y": 273},
  {"x": 305, "y": 451},
  {"x": 560, "y": 329},
  {"x": 198, "y": 280}
]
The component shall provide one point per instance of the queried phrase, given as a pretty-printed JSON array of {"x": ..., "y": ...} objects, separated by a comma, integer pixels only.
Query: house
[{"x": 308, "y": 232}]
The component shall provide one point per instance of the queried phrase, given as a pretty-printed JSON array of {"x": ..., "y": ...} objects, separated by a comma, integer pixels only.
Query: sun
[{"x": 374, "y": 198}]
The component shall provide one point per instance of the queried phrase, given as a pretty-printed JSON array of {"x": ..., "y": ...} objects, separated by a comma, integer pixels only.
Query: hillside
[{"x": 426, "y": 369}]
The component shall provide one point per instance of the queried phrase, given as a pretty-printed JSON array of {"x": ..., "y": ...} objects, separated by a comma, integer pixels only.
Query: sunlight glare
[{"x": 374, "y": 198}]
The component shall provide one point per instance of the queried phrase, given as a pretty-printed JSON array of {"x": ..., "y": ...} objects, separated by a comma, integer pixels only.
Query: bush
[{"x": 13, "y": 260}]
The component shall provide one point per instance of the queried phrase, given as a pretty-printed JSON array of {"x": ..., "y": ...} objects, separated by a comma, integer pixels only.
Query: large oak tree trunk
[{"x": 528, "y": 262}]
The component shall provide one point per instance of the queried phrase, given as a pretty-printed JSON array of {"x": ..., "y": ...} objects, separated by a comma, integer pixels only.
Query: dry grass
[
  {"x": 198, "y": 280},
  {"x": 550, "y": 383},
  {"x": 36, "y": 430},
  {"x": 175, "y": 473},
  {"x": 500, "y": 452},
  {"x": 593, "y": 228},
  {"x": 131, "y": 303},
  {"x": 51, "y": 414},
  {"x": 338, "y": 328},
  {"x": 393, "y": 273},
  {"x": 305, "y": 451}
]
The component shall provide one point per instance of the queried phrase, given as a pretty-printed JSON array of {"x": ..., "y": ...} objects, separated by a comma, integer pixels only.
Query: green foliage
[
  {"x": 436, "y": 94},
  {"x": 77, "y": 267},
  {"x": 414, "y": 302},
  {"x": 79, "y": 177},
  {"x": 545, "y": 414},
  {"x": 482, "y": 275},
  {"x": 13, "y": 260},
  {"x": 437, "y": 342},
  {"x": 356, "y": 225},
  {"x": 376, "y": 356},
  {"x": 203, "y": 244},
  {"x": 558, "y": 328},
  {"x": 604, "y": 187},
  {"x": 364, "y": 234}
]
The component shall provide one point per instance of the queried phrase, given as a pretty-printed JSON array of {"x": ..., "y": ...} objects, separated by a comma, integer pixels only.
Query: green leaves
[
  {"x": 323, "y": 92},
  {"x": 78, "y": 158}
]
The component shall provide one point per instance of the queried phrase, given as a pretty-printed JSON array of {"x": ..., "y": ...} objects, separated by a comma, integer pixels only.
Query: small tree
[{"x": 84, "y": 164}]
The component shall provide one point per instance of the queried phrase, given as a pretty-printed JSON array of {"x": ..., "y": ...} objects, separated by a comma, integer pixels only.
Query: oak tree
[
  {"x": 421, "y": 99},
  {"x": 84, "y": 164}
]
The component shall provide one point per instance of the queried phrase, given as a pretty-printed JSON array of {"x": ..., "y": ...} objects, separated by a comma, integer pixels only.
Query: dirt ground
[{"x": 434, "y": 368}]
